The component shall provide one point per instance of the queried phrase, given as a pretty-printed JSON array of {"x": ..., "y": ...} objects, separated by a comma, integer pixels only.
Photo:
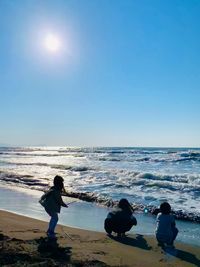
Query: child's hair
[
  {"x": 58, "y": 182},
  {"x": 125, "y": 205},
  {"x": 165, "y": 208}
]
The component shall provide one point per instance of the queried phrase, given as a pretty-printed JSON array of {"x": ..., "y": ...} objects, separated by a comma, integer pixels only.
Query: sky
[{"x": 126, "y": 73}]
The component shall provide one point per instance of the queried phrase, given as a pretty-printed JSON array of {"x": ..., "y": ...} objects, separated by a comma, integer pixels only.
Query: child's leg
[
  {"x": 175, "y": 233},
  {"x": 160, "y": 241},
  {"x": 53, "y": 222},
  {"x": 108, "y": 226}
]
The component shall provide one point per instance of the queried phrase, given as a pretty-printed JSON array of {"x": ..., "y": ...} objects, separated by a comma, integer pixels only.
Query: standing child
[
  {"x": 52, "y": 202},
  {"x": 166, "y": 230}
]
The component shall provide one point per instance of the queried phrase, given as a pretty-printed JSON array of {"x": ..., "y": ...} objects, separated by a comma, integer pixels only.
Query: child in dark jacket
[
  {"x": 52, "y": 202},
  {"x": 121, "y": 219},
  {"x": 166, "y": 230}
]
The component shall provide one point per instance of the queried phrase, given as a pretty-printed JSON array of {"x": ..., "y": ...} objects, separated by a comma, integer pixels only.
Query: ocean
[{"x": 145, "y": 176}]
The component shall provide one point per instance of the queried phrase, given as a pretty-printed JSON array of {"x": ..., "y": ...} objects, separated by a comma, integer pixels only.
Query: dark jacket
[
  {"x": 52, "y": 200},
  {"x": 119, "y": 221}
]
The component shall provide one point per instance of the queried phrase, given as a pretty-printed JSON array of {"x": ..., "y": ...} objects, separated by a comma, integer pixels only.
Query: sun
[{"x": 52, "y": 43}]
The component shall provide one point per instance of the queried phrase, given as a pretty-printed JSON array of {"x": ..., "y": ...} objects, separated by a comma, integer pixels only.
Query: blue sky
[{"x": 128, "y": 73}]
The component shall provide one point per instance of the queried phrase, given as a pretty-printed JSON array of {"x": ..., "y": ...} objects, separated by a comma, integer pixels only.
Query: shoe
[
  {"x": 51, "y": 234},
  {"x": 119, "y": 235},
  {"x": 123, "y": 235},
  {"x": 161, "y": 244},
  {"x": 170, "y": 246},
  {"x": 109, "y": 234}
]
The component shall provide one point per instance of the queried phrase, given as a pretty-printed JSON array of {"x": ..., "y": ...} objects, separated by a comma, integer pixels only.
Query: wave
[
  {"x": 148, "y": 156},
  {"x": 22, "y": 149},
  {"x": 109, "y": 159},
  {"x": 190, "y": 154},
  {"x": 93, "y": 197},
  {"x": 26, "y": 163},
  {"x": 132, "y": 176},
  {"x": 24, "y": 180},
  {"x": 42, "y": 184},
  {"x": 180, "y": 183},
  {"x": 23, "y": 154},
  {"x": 54, "y": 166}
]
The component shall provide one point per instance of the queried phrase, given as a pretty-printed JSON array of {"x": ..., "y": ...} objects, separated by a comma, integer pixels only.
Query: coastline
[
  {"x": 25, "y": 202},
  {"x": 146, "y": 176},
  {"x": 24, "y": 237}
]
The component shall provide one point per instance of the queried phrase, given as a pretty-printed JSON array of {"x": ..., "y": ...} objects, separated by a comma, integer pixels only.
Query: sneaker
[
  {"x": 161, "y": 244},
  {"x": 170, "y": 246},
  {"x": 51, "y": 234},
  {"x": 119, "y": 235},
  {"x": 109, "y": 234}
]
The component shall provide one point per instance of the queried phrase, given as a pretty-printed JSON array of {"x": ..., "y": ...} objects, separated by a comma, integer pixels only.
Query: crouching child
[
  {"x": 166, "y": 230},
  {"x": 121, "y": 219}
]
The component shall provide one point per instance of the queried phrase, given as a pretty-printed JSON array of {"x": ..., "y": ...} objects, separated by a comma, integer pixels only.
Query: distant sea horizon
[{"x": 96, "y": 146}]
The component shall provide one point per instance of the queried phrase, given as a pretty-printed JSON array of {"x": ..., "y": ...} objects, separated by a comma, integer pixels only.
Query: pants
[
  {"x": 53, "y": 221},
  {"x": 169, "y": 240},
  {"x": 118, "y": 227}
]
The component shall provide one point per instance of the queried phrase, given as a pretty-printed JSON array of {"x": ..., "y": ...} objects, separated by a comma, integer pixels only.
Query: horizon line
[{"x": 96, "y": 146}]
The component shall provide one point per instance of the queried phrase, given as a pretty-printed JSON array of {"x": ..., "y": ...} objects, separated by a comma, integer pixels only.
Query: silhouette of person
[
  {"x": 52, "y": 202},
  {"x": 166, "y": 230},
  {"x": 121, "y": 219}
]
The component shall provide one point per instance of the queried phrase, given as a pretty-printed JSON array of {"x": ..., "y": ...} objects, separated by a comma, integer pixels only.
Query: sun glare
[{"x": 52, "y": 43}]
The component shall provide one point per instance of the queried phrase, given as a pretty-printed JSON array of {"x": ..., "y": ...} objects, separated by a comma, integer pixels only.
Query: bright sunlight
[{"x": 52, "y": 43}]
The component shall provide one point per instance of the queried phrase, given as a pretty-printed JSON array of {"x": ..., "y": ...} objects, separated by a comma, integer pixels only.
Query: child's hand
[{"x": 64, "y": 205}]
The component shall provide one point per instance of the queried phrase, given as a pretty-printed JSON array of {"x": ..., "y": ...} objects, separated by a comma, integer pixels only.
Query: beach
[
  {"x": 100, "y": 133},
  {"x": 99, "y": 177},
  {"x": 145, "y": 176},
  {"x": 23, "y": 243},
  {"x": 85, "y": 215}
]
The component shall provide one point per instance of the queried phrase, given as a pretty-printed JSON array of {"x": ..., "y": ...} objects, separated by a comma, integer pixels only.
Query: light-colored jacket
[
  {"x": 52, "y": 200},
  {"x": 164, "y": 227}
]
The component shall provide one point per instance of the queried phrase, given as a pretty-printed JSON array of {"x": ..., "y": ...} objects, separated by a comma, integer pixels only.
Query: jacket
[{"x": 52, "y": 200}]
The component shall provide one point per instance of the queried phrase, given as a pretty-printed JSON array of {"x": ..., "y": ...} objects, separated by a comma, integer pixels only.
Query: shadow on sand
[
  {"x": 51, "y": 249},
  {"x": 37, "y": 252},
  {"x": 184, "y": 256},
  {"x": 139, "y": 241}
]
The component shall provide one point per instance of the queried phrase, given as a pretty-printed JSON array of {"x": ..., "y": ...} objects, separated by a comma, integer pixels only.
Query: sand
[
  {"x": 92, "y": 215},
  {"x": 23, "y": 243}
]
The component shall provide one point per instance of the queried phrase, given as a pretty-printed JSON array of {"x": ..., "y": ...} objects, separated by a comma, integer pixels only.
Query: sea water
[
  {"x": 86, "y": 215},
  {"x": 145, "y": 176}
]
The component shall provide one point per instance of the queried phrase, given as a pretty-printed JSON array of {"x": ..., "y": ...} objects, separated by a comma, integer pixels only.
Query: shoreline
[
  {"x": 130, "y": 172},
  {"x": 90, "y": 197},
  {"x": 25, "y": 237},
  {"x": 92, "y": 216},
  {"x": 153, "y": 210}
]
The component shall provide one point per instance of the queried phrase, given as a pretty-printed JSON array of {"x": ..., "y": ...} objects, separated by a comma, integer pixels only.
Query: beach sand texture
[{"x": 23, "y": 243}]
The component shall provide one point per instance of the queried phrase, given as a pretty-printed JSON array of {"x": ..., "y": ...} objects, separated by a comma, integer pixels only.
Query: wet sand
[
  {"x": 25, "y": 202},
  {"x": 23, "y": 243}
]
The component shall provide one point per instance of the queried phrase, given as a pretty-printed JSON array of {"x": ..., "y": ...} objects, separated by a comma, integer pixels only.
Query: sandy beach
[{"x": 23, "y": 243}]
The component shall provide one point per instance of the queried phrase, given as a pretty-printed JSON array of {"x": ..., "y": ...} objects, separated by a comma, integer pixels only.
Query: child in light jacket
[
  {"x": 52, "y": 202},
  {"x": 166, "y": 230}
]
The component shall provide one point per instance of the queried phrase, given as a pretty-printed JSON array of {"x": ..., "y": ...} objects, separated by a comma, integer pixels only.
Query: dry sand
[{"x": 23, "y": 243}]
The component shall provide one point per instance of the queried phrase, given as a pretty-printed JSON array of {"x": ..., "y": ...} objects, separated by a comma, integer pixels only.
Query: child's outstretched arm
[
  {"x": 59, "y": 200},
  {"x": 64, "y": 205}
]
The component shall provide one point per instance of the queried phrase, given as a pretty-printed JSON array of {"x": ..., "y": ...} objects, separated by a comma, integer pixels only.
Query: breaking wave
[{"x": 104, "y": 175}]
